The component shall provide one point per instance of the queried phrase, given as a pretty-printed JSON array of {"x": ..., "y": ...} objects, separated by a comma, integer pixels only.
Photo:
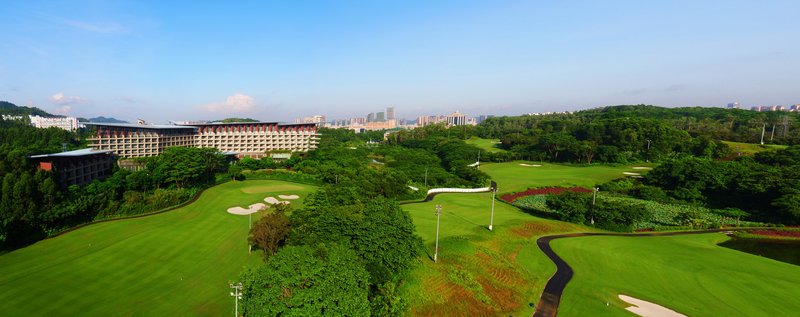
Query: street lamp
[
  {"x": 594, "y": 197},
  {"x": 438, "y": 214},
  {"x": 648, "y": 150},
  {"x": 494, "y": 191},
  {"x": 237, "y": 294}
]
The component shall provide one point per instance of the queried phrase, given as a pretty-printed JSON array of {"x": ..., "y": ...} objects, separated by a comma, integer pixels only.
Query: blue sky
[{"x": 277, "y": 60}]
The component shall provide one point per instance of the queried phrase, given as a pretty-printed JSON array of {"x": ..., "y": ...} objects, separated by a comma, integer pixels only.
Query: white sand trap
[
  {"x": 648, "y": 309},
  {"x": 631, "y": 173},
  {"x": 529, "y": 165},
  {"x": 272, "y": 200},
  {"x": 242, "y": 211},
  {"x": 642, "y": 168},
  {"x": 288, "y": 196}
]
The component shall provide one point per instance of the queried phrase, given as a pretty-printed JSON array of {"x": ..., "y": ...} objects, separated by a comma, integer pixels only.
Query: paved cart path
[{"x": 551, "y": 297}]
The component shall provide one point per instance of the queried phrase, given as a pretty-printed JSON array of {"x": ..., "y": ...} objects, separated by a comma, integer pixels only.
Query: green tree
[
  {"x": 323, "y": 280},
  {"x": 270, "y": 232}
]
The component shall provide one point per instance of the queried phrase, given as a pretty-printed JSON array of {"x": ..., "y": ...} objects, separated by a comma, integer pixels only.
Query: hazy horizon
[{"x": 278, "y": 61}]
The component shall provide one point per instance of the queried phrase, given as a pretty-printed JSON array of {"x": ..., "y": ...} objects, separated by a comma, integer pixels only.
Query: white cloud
[
  {"x": 234, "y": 103},
  {"x": 60, "y": 99},
  {"x": 64, "y": 110}
]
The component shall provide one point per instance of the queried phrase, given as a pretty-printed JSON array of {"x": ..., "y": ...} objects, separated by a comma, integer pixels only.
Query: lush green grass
[
  {"x": 489, "y": 145},
  {"x": 479, "y": 272},
  {"x": 513, "y": 177},
  {"x": 751, "y": 148},
  {"x": 177, "y": 263},
  {"x": 689, "y": 274}
]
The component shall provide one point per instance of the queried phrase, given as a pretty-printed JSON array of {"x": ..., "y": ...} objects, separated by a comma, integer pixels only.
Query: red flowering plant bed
[
  {"x": 793, "y": 234},
  {"x": 543, "y": 191}
]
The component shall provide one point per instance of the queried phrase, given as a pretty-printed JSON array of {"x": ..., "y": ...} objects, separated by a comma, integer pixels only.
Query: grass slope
[
  {"x": 513, "y": 177},
  {"x": 489, "y": 145},
  {"x": 689, "y": 274},
  {"x": 752, "y": 148},
  {"x": 479, "y": 272},
  {"x": 177, "y": 263}
]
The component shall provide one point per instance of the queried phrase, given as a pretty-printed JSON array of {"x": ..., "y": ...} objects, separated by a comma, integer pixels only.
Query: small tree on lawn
[{"x": 269, "y": 233}]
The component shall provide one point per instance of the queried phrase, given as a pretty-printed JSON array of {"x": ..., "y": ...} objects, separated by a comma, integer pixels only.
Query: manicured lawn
[
  {"x": 177, "y": 263},
  {"x": 752, "y": 148},
  {"x": 479, "y": 272},
  {"x": 486, "y": 144},
  {"x": 689, "y": 274},
  {"x": 513, "y": 177}
]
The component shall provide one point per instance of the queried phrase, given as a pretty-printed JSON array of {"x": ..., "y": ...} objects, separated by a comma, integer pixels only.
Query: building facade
[
  {"x": 78, "y": 167},
  {"x": 66, "y": 123},
  {"x": 247, "y": 139}
]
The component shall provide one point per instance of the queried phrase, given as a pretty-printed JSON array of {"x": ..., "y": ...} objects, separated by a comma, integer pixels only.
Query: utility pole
[
  {"x": 438, "y": 214},
  {"x": 479, "y": 160},
  {"x": 237, "y": 294},
  {"x": 771, "y": 135},
  {"x": 648, "y": 150},
  {"x": 594, "y": 198},
  {"x": 494, "y": 191},
  {"x": 763, "y": 129}
]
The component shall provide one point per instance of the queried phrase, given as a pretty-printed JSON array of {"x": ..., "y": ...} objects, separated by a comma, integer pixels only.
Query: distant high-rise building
[
  {"x": 371, "y": 117},
  {"x": 482, "y": 118},
  {"x": 733, "y": 105},
  {"x": 389, "y": 113},
  {"x": 380, "y": 117},
  {"x": 314, "y": 119}
]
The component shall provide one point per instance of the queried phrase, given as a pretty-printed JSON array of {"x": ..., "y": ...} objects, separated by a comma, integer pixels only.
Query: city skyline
[{"x": 277, "y": 62}]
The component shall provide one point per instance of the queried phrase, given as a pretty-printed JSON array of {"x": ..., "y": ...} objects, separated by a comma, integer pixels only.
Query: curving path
[{"x": 551, "y": 297}]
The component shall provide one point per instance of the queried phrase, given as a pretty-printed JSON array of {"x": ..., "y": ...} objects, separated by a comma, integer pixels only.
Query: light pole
[
  {"x": 494, "y": 191},
  {"x": 426, "y": 177},
  {"x": 648, "y": 150},
  {"x": 438, "y": 214},
  {"x": 594, "y": 197},
  {"x": 237, "y": 294}
]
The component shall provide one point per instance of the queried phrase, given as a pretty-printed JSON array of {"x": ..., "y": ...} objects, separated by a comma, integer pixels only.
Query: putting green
[
  {"x": 490, "y": 145},
  {"x": 689, "y": 274},
  {"x": 513, "y": 177},
  {"x": 486, "y": 272},
  {"x": 178, "y": 263}
]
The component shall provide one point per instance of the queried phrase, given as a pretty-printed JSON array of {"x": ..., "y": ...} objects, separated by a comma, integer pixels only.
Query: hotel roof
[
  {"x": 75, "y": 153},
  {"x": 143, "y": 126}
]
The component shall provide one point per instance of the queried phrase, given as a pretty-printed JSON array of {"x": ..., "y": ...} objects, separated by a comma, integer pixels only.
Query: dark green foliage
[
  {"x": 270, "y": 232},
  {"x": 610, "y": 214},
  {"x": 321, "y": 280},
  {"x": 381, "y": 233},
  {"x": 765, "y": 186}
]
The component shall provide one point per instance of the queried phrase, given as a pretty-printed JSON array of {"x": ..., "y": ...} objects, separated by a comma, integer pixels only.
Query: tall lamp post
[
  {"x": 493, "y": 188},
  {"x": 594, "y": 197},
  {"x": 237, "y": 294},
  {"x": 648, "y": 150},
  {"x": 438, "y": 214}
]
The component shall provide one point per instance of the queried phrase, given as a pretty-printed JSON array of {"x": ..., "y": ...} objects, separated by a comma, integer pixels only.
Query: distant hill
[
  {"x": 102, "y": 119},
  {"x": 12, "y": 109},
  {"x": 231, "y": 120}
]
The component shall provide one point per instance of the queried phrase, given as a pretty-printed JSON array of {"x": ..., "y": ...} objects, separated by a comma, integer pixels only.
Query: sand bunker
[
  {"x": 631, "y": 173},
  {"x": 529, "y": 165},
  {"x": 288, "y": 196},
  {"x": 642, "y": 168},
  {"x": 648, "y": 309},
  {"x": 272, "y": 200},
  {"x": 246, "y": 211}
]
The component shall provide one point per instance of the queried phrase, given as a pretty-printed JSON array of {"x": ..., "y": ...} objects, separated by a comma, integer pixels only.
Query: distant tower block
[
  {"x": 734, "y": 105},
  {"x": 389, "y": 113}
]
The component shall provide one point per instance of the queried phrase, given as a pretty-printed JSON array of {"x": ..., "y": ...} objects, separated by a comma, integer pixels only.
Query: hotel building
[
  {"x": 78, "y": 167},
  {"x": 247, "y": 139}
]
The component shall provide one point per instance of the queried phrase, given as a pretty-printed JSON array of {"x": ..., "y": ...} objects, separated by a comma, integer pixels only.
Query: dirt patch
[{"x": 530, "y": 229}]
